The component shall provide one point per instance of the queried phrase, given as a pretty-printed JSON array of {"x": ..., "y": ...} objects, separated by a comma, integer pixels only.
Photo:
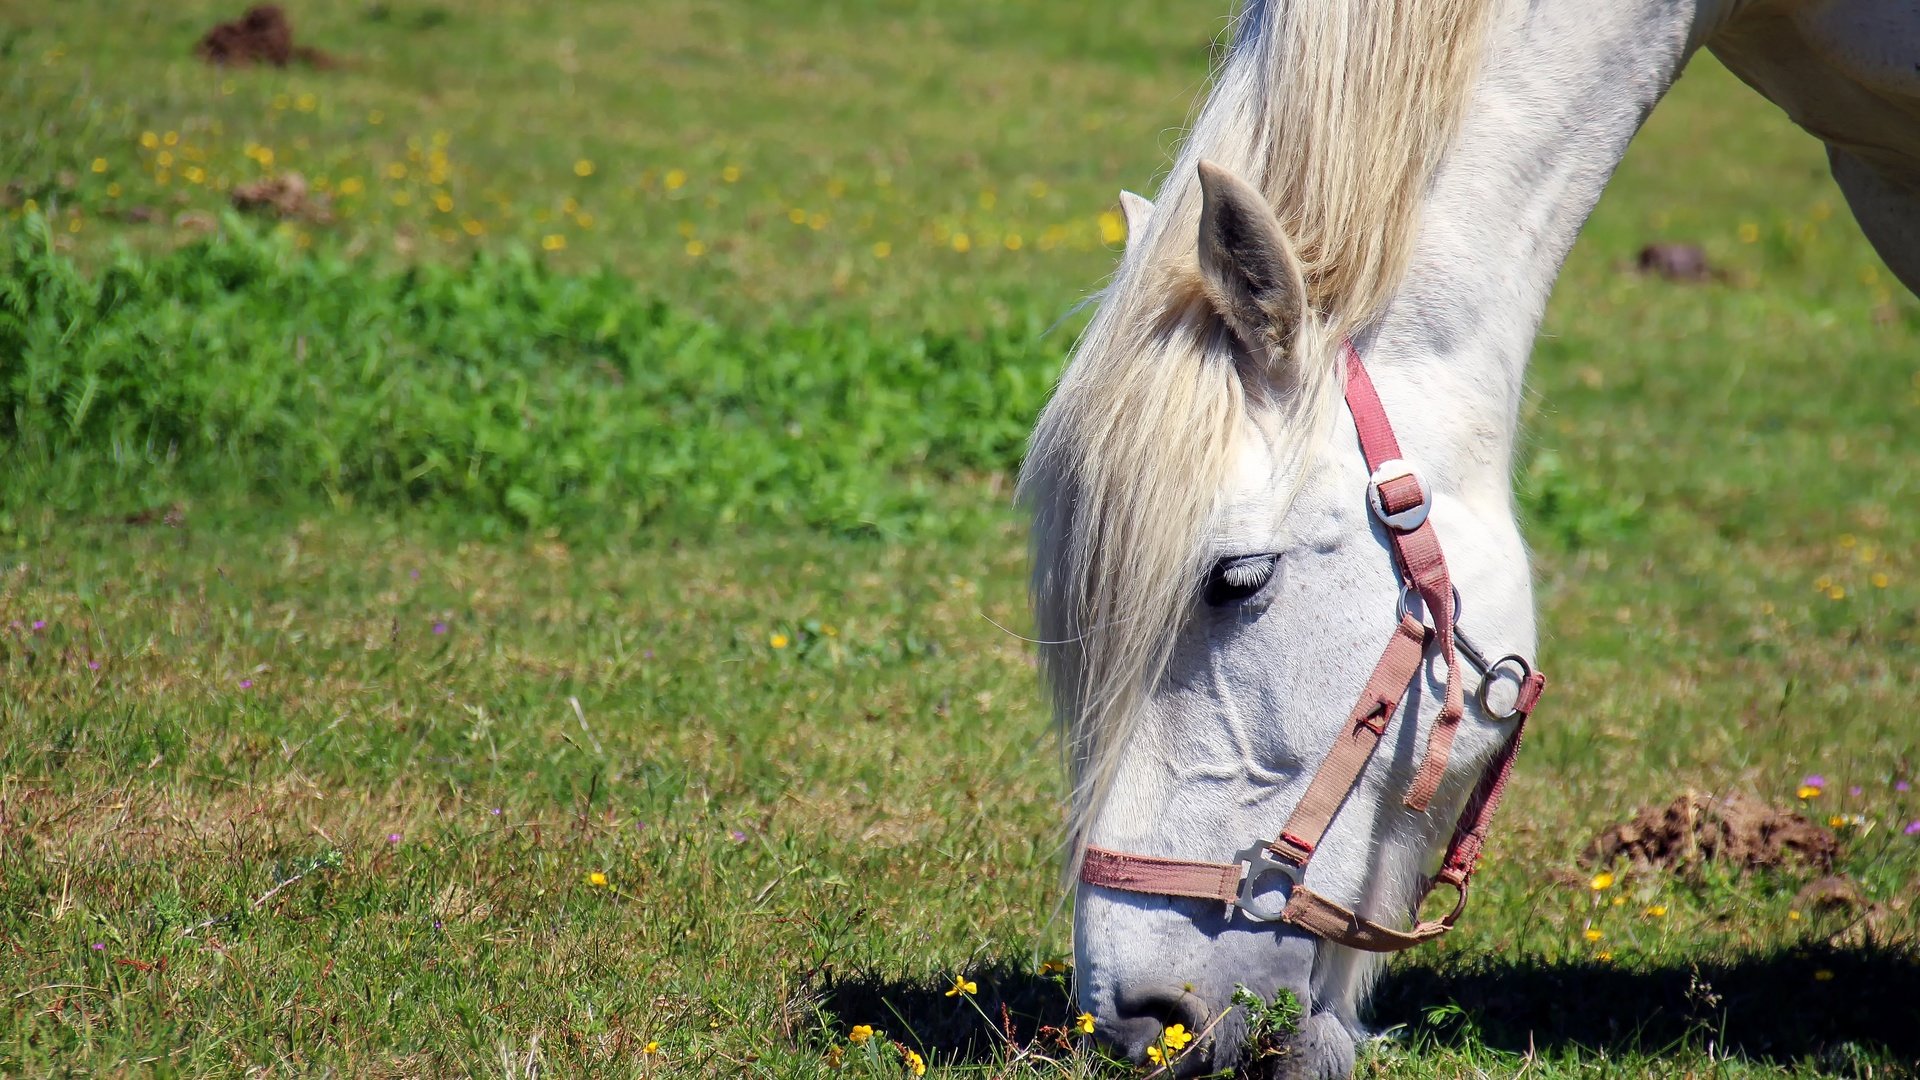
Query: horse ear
[
  {"x": 1246, "y": 264},
  {"x": 1138, "y": 212}
]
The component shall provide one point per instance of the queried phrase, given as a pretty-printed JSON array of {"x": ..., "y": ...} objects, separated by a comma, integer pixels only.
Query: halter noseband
[{"x": 1400, "y": 499}]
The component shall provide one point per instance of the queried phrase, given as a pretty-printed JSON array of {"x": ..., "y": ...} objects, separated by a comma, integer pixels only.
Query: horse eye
[{"x": 1235, "y": 580}]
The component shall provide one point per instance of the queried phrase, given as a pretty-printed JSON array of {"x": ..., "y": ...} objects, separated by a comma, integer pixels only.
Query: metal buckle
[
  {"x": 1260, "y": 862},
  {"x": 1406, "y": 520}
]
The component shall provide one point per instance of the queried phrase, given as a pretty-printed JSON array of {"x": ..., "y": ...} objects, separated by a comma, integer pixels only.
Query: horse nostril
[{"x": 1146, "y": 1012}]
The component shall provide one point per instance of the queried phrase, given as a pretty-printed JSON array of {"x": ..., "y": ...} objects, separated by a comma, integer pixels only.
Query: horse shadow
[{"x": 1846, "y": 1009}]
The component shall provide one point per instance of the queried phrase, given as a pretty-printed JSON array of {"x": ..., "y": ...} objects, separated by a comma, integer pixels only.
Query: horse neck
[{"x": 1566, "y": 85}]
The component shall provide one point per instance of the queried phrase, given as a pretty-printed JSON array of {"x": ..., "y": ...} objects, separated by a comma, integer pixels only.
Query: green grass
[{"x": 815, "y": 772}]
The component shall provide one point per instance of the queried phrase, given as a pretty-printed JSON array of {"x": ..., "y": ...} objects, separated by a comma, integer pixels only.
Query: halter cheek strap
[{"x": 1401, "y": 502}]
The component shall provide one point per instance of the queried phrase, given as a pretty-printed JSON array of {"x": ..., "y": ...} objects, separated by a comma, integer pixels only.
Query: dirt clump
[
  {"x": 1696, "y": 828},
  {"x": 286, "y": 197},
  {"x": 1677, "y": 262},
  {"x": 264, "y": 35}
]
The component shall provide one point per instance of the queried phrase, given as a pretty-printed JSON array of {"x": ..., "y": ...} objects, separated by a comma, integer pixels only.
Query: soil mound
[
  {"x": 285, "y": 196},
  {"x": 1677, "y": 262},
  {"x": 263, "y": 35},
  {"x": 1695, "y": 828}
]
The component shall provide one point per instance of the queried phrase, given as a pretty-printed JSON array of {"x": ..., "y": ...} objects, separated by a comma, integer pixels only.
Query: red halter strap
[{"x": 1400, "y": 499}]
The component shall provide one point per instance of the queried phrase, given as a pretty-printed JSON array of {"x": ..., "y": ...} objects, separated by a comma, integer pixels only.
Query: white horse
[{"x": 1210, "y": 571}]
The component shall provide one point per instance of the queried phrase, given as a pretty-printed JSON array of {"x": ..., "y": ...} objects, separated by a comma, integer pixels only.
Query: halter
[{"x": 1401, "y": 499}]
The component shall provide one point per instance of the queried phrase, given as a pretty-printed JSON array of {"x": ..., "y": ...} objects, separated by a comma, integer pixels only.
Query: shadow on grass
[
  {"x": 1773, "y": 1007},
  {"x": 918, "y": 1012}
]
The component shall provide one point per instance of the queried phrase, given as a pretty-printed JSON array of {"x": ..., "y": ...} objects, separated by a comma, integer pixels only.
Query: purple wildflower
[
  {"x": 393, "y": 838},
  {"x": 1816, "y": 780},
  {"x": 737, "y": 836},
  {"x": 1902, "y": 785},
  {"x": 436, "y": 924},
  {"x": 414, "y": 574},
  {"x": 40, "y": 624},
  {"x": 1854, "y": 790},
  {"x": 496, "y": 811},
  {"x": 246, "y": 684},
  {"x": 99, "y": 946},
  {"x": 1912, "y": 829},
  {"x": 647, "y": 655},
  {"x": 93, "y": 665},
  {"x": 439, "y": 628}
]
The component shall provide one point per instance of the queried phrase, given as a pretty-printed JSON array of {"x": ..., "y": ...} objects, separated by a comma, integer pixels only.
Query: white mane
[{"x": 1338, "y": 111}]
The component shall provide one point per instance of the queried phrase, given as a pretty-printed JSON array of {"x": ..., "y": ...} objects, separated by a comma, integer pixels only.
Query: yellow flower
[
  {"x": 962, "y": 986},
  {"x": 149, "y": 140},
  {"x": 1156, "y": 1055},
  {"x": 1808, "y": 791},
  {"x": 1749, "y": 232},
  {"x": 583, "y": 167},
  {"x": 1084, "y": 1023},
  {"x": 1603, "y": 956},
  {"x": 676, "y": 179},
  {"x": 553, "y": 242},
  {"x": 916, "y": 1064},
  {"x": 696, "y": 249},
  {"x": 597, "y": 879},
  {"x": 883, "y": 249},
  {"x": 375, "y": 116},
  {"x": 860, "y": 1033},
  {"x": 962, "y": 243},
  {"x": 778, "y": 641},
  {"x": 1823, "y": 975},
  {"x": 730, "y": 174},
  {"x": 1593, "y": 935},
  {"x": 171, "y": 138},
  {"x": 1113, "y": 227},
  {"x": 352, "y": 185},
  {"x": 1880, "y": 581},
  {"x": 1655, "y": 911},
  {"x": 99, "y": 164},
  {"x": 835, "y": 1055},
  {"x": 1176, "y": 1037},
  {"x": 1048, "y": 967},
  {"x": 305, "y": 102},
  {"x": 652, "y": 1047},
  {"x": 1601, "y": 881},
  {"x": 1793, "y": 916}
]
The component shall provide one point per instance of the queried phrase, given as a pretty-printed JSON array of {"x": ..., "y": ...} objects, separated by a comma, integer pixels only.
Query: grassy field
[{"x": 549, "y": 617}]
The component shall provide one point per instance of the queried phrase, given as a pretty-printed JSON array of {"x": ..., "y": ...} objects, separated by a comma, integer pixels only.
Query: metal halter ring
[
  {"x": 1487, "y": 679},
  {"x": 1260, "y": 862},
  {"x": 1404, "y": 604}
]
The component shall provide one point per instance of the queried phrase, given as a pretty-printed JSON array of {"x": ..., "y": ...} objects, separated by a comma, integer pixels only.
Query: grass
[{"x": 309, "y": 761}]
